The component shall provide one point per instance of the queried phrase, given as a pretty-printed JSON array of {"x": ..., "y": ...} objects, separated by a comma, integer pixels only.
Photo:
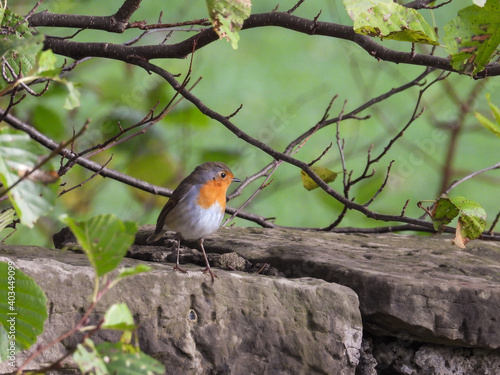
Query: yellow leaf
[{"x": 324, "y": 173}]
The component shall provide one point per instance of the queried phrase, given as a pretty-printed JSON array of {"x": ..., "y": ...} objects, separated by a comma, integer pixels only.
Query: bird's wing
[{"x": 178, "y": 194}]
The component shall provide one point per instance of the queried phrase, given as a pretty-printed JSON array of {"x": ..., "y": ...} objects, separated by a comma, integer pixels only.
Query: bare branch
[
  {"x": 294, "y": 8},
  {"x": 403, "y": 211},
  {"x": 494, "y": 224},
  {"x": 468, "y": 177},
  {"x": 78, "y": 50},
  {"x": 273, "y": 153},
  {"x": 88, "y": 179},
  {"x": 381, "y": 186},
  {"x": 88, "y": 164},
  {"x": 321, "y": 156}
]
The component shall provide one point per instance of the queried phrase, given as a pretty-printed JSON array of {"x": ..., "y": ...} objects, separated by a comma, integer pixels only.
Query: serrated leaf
[
  {"x": 126, "y": 272},
  {"x": 6, "y": 218},
  {"x": 324, "y": 173},
  {"x": 30, "y": 198},
  {"x": 387, "y": 19},
  {"x": 126, "y": 359},
  {"x": 20, "y": 53},
  {"x": 115, "y": 358},
  {"x": 472, "y": 219},
  {"x": 104, "y": 238},
  {"x": 472, "y": 216},
  {"x": 444, "y": 212},
  {"x": 118, "y": 317},
  {"x": 88, "y": 359},
  {"x": 46, "y": 62},
  {"x": 227, "y": 17},
  {"x": 73, "y": 99},
  {"x": 24, "y": 316},
  {"x": 472, "y": 38},
  {"x": 10, "y": 19}
]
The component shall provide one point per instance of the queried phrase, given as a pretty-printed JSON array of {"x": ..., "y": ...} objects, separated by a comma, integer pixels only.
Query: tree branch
[
  {"x": 273, "y": 153},
  {"x": 79, "y": 50},
  {"x": 88, "y": 164},
  {"x": 116, "y": 23}
]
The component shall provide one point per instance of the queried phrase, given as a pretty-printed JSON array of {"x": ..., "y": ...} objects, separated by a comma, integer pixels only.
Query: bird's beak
[{"x": 235, "y": 179}]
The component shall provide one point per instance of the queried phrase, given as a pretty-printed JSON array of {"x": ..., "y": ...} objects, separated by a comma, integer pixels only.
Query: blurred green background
[{"x": 284, "y": 80}]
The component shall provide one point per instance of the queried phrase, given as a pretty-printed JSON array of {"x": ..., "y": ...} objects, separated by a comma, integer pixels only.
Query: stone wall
[{"x": 293, "y": 302}]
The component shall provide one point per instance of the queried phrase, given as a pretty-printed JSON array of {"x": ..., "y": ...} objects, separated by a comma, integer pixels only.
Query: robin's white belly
[{"x": 193, "y": 221}]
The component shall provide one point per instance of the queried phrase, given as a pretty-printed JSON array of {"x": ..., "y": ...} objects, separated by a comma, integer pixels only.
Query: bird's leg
[
  {"x": 177, "y": 267},
  {"x": 208, "y": 269}
]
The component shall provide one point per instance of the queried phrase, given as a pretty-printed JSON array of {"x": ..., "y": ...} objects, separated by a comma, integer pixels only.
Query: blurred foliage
[{"x": 284, "y": 80}]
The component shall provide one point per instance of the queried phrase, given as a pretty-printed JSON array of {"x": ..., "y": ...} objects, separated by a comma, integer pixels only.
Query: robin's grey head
[{"x": 213, "y": 170}]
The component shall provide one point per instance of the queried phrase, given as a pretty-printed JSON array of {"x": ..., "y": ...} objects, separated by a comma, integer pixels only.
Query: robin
[{"x": 196, "y": 207}]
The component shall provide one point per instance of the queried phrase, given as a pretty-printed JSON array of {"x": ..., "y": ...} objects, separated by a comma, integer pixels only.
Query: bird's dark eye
[{"x": 223, "y": 175}]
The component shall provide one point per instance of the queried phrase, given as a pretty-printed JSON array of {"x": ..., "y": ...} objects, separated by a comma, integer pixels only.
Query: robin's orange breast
[{"x": 213, "y": 191}]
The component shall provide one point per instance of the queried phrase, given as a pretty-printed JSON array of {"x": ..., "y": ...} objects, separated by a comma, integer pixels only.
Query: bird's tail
[{"x": 155, "y": 236}]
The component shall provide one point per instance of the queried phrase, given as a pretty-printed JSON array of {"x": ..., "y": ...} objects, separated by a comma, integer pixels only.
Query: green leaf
[
  {"x": 472, "y": 38},
  {"x": 115, "y": 358},
  {"x": 387, "y": 19},
  {"x": 126, "y": 272},
  {"x": 9, "y": 19},
  {"x": 227, "y": 17},
  {"x": 472, "y": 217},
  {"x": 6, "y": 218},
  {"x": 21, "y": 54},
  {"x": 73, "y": 98},
  {"x": 487, "y": 123},
  {"x": 104, "y": 238},
  {"x": 46, "y": 62},
  {"x": 88, "y": 359},
  {"x": 444, "y": 212},
  {"x": 27, "y": 53},
  {"x": 23, "y": 309},
  {"x": 494, "y": 108},
  {"x": 119, "y": 318},
  {"x": 32, "y": 197},
  {"x": 126, "y": 359},
  {"x": 324, "y": 173}
]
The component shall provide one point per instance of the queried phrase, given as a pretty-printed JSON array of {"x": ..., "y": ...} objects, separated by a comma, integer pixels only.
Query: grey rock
[
  {"x": 410, "y": 287},
  {"x": 242, "y": 324},
  {"x": 393, "y": 356}
]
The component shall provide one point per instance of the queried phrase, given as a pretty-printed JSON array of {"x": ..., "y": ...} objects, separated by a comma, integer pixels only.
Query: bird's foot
[
  {"x": 178, "y": 268},
  {"x": 212, "y": 275}
]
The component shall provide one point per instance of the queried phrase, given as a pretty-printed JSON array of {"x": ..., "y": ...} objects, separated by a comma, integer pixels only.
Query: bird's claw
[
  {"x": 178, "y": 268},
  {"x": 212, "y": 275}
]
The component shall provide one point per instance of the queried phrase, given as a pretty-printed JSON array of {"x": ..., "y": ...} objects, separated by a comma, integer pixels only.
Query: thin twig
[
  {"x": 494, "y": 224},
  {"x": 468, "y": 177},
  {"x": 321, "y": 156},
  {"x": 294, "y": 8},
  {"x": 43, "y": 161},
  {"x": 88, "y": 179},
  {"x": 403, "y": 211},
  {"x": 142, "y": 26},
  {"x": 381, "y": 188}
]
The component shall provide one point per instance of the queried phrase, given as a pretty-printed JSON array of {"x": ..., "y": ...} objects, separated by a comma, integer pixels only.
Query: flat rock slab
[
  {"x": 411, "y": 287},
  {"x": 242, "y": 324}
]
